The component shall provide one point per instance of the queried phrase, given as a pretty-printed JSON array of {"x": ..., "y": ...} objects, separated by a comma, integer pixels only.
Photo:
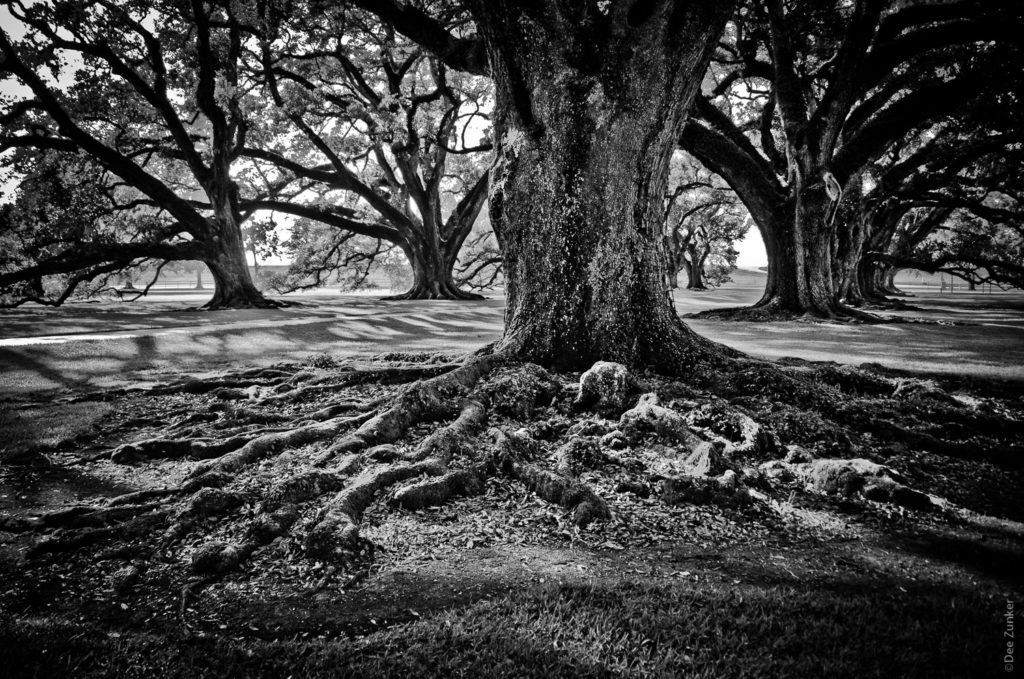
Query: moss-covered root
[
  {"x": 336, "y": 530},
  {"x": 277, "y": 512},
  {"x": 433, "y": 492},
  {"x": 436, "y": 398},
  {"x": 585, "y": 504},
  {"x": 277, "y": 442}
]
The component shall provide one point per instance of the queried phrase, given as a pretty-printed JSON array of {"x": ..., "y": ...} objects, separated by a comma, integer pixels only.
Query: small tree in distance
[{"x": 704, "y": 219}]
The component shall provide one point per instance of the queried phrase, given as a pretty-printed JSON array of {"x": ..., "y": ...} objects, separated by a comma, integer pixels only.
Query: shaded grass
[
  {"x": 47, "y": 425},
  {"x": 629, "y": 629}
]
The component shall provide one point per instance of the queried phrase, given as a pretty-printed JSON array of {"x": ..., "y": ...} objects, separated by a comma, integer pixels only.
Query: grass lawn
[{"x": 632, "y": 628}]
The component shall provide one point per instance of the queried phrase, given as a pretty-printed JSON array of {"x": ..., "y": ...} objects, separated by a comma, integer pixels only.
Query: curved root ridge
[
  {"x": 278, "y": 511},
  {"x": 431, "y": 399},
  {"x": 337, "y": 529},
  {"x": 277, "y": 442},
  {"x": 177, "y": 448},
  {"x": 436, "y": 491},
  {"x": 586, "y": 505},
  {"x": 206, "y": 502},
  {"x": 451, "y": 439},
  {"x": 70, "y": 539}
]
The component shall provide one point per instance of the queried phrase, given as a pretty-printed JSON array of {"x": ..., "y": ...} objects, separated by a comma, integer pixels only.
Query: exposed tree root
[
  {"x": 586, "y": 505},
  {"x": 425, "y": 401},
  {"x": 195, "y": 387},
  {"x": 516, "y": 450},
  {"x": 434, "y": 492},
  {"x": 277, "y": 442},
  {"x": 336, "y": 530},
  {"x": 435, "y": 290},
  {"x": 384, "y": 376},
  {"x": 70, "y": 539},
  {"x": 337, "y": 409},
  {"x": 884, "y": 304},
  {"x": 78, "y": 517},
  {"x": 354, "y": 444},
  {"x": 204, "y": 503},
  {"x": 276, "y": 513},
  {"x": 452, "y": 439},
  {"x": 176, "y": 448}
]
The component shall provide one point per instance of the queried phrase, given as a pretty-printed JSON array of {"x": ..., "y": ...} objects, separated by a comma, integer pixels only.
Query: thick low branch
[{"x": 462, "y": 54}]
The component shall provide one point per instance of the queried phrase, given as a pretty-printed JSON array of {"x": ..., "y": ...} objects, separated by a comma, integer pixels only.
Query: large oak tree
[
  {"x": 806, "y": 94},
  {"x": 151, "y": 92},
  {"x": 370, "y": 123},
  {"x": 590, "y": 100}
]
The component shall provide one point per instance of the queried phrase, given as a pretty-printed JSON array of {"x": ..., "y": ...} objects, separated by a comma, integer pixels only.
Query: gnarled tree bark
[{"x": 588, "y": 110}]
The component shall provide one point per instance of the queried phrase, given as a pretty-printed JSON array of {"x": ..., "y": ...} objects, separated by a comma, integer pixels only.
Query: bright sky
[{"x": 751, "y": 249}]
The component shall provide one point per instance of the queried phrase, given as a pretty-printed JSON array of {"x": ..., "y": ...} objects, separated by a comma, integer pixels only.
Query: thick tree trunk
[
  {"x": 233, "y": 286},
  {"x": 813, "y": 254},
  {"x": 872, "y": 283},
  {"x": 848, "y": 251},
  {"x": 199, "y": 277},
  {"x": 589, "y": 108},
  {"x": 800, "y": 272},
  {"x": 432, "y": 274},
  {"x": 676, "y": 259},
  {"x": 886, "y": 281},
  {"x": 695, "y": 272}
]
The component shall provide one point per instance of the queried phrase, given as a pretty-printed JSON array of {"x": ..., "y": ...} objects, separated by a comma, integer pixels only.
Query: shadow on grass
[
  {"x": 85, "y": 363},
  {"x": 756, "y": 628},
  {"x": 993, "y": 557}
]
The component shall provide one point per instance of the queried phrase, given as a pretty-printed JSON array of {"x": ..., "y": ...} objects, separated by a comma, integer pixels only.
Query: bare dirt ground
[{"x": 940, "y": 574}]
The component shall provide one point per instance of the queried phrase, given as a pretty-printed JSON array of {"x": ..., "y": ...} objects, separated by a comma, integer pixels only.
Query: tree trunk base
[
  {"x": 242, "y": 301},
  {"x": 774, "y": 310},
  {"x": 448, "y": 291}
]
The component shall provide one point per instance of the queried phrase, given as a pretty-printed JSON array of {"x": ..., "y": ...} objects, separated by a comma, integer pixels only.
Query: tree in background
[
  {"x": 69, "y": 231},
  {"x": 974, "y": 231},
  {"x": 375, "y": 129},
  {"x": 480, "y": 263},
  {"x": 806, "y": 94},
  {"x": 150, "y": 92},
  {"x": 960, "y": 172},
  {"x": 321, "y": 254},
  {"x": 704, "y": 221}
]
